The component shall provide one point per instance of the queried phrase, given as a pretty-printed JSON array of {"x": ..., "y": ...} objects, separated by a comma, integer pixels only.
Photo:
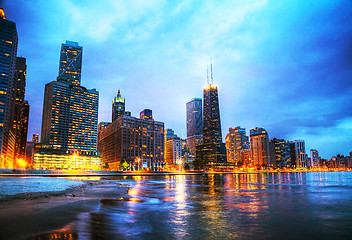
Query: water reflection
[{"x": 260, "y": 206}]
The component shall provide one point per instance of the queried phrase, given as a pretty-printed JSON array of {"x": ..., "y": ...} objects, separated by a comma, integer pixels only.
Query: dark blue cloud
[{"x": 284, "y": 65}]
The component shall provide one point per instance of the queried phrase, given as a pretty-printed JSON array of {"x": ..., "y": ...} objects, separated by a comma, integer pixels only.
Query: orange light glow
[
  {"x": 21, "y": 163},
  {"x": 2, "y": 13}
]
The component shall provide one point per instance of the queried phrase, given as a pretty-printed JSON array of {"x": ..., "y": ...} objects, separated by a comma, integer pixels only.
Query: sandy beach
[{"x": 39, "y": 215}]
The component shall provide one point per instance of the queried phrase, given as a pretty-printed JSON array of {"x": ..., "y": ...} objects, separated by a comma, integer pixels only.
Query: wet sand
[{"x": 40, "y": 215}]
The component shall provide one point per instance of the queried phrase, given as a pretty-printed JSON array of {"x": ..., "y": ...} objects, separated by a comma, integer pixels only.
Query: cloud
[{"x": 282, "y": 65}]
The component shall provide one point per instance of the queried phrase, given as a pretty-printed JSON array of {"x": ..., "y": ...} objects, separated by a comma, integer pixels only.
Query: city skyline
[{"x": 290, "y": 74}]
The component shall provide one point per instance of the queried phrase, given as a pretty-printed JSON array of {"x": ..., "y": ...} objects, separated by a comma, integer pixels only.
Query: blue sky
[{"x": 282, "y": 65}]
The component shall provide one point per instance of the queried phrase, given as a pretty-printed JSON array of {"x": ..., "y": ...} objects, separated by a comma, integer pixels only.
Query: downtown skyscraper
[
  {"x": 8, "y": 52},
  {"x": 71, "y": 63},
  {"x": 260, "y": 152},
  {"x": 14, "y": 109},
  {"x": 70, "y": 111},
  {"x": 212, "y": 153},
  {"x": 20, "y": 109},
  {"x": 194, "y": 115},
  {"x": 236, "y": 140},
  {"x": 298, "y": 152}
]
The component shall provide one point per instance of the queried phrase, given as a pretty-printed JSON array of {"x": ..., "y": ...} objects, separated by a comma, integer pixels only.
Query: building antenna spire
[
  {"x": 211, "y": 70},
  {"x": 207, "y": 75}
]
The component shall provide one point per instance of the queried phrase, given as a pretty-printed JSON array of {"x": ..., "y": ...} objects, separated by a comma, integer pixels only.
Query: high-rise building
[
  {"x": 8, "y": 53},
  {"x": 71, "y": 63},
  {"x": 235, "y": 141},
  {"x": 146, "y": 114},
  {"x": 173, "y": 151},
  {"x": 118, "y": 106},
  {"x": 19, "y": 111},
  {"x": 298, "y": 152},
  {"x": 139, "y": 142},
  {"x": 212, "y": 153},
  {"x": 194, "y": 124},
  {"x": 259, "y": 139},
  {"x": 70, "y": 111},
  {"x": 70, "y": 116},
  {"x": 280, "y": 153},
  {"x": 211, "y": 117},
  {"x": 23, "y": 132},
  {"x": 314, "y": 158},
  {"x": 169, "y": 133},
  {"x": 194, "y": 117},
  {"x": 246, "y": 156}
]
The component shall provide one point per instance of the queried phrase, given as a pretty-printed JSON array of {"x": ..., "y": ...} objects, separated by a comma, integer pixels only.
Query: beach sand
[{"x": 49, "y": 215}]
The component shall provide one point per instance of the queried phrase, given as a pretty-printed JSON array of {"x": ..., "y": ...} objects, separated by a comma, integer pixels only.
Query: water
[
  {"x": 229, "y": 206},
  {"x": 13, "y": 185}
]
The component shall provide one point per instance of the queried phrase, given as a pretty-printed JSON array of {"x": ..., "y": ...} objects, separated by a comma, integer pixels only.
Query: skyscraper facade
[
  {"x": 118, "y": 106},
  {"x": 70, "y": 116},
  {"x": 259, "y": 139},
  {"x": 298, "y": 147},
  {"x": 20, "y": 110},
  {"x": 169, "y": 133},
  {"x": 212, "y": 153},
  {"x": 235, "y": 141},
  {"x": 70, "y": 111},
  {"x": 173, "y": 151},
  {"x": 314, "y": 158},
  {"x": 71, "y": 63},
  {"x": 8, "y": 52},
  {"x": 211, "y": 117},
  {"x": 194, "y": 124},
  {"x": 280, "y": 153},
  {"x": 194, "y": 117},
  {"x": 21, "y": 140}
]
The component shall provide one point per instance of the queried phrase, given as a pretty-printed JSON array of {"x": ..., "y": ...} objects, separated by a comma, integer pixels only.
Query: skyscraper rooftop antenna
[
  {"x": 207, "y": 75},
  {"x": 211, "y": 71}
]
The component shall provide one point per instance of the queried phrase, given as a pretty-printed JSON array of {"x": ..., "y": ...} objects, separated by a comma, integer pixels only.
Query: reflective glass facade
[
  {"x": 211, "y": 118},
  {"x": 194, "y": 117},
  {"x": 8, "y": 52},
  {"x": 71, "y": 62}
]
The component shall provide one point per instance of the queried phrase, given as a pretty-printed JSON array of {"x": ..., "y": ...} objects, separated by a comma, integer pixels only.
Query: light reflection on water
[{"x": 244, "y": 206}]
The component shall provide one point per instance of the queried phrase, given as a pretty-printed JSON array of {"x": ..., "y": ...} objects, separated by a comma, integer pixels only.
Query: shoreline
[
  {"x": 57, "y": 173},
  {"x": 31, "y": 215}
]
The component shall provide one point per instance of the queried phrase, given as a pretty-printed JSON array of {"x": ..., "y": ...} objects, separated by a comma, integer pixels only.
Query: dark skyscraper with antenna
[
  {"x": 211, "y": 154},
  {"x": 211, "y": 117}
]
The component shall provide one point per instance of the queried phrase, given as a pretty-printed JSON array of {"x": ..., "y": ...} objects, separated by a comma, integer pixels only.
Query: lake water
[
  {"x": 18, "y": 185},
  {"x": 314, "y": 205}
]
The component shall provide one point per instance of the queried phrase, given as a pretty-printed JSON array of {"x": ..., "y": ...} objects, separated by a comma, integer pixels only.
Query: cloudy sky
[{"x": 282, "y": 65}]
